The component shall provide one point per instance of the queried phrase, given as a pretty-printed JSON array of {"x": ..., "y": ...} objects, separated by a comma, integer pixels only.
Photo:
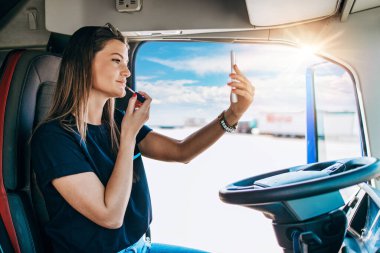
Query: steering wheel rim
[{"x": 244, "y": 192}]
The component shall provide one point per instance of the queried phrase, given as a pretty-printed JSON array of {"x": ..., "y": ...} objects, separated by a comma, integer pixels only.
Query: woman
[{"x": 87, "y": 155}]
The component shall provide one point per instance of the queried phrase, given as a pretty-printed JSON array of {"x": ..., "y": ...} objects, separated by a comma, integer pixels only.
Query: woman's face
[{"x": 110, "y": 70}]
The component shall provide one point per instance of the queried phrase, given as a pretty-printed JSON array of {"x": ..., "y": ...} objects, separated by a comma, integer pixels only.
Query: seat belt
[
  {"x": 148, "y": 237},
  {"x": 5, "y": 213}
]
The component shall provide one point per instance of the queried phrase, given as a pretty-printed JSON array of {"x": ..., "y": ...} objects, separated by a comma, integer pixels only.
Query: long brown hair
[{"x": 75, "y": 81}]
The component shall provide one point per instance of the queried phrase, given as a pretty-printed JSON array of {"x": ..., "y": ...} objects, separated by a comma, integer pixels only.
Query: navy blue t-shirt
[{"x": 57, "y": 152}]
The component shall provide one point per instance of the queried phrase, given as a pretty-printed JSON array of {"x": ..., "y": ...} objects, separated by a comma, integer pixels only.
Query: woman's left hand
[{"x": 245, "y": 92}]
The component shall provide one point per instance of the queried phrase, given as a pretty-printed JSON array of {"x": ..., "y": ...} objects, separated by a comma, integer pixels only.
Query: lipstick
[{"x": 140, "y": 97}]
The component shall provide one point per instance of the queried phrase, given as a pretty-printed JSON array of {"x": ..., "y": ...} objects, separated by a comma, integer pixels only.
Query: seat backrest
[{"x": 25, "y": 102}]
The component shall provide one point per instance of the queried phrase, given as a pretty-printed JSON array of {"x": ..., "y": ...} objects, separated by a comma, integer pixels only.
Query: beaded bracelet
[{"x": 225, "y": 126}]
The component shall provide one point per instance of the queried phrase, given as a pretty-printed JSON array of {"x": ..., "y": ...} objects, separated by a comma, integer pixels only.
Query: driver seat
[{"x": 27, "y": 84}]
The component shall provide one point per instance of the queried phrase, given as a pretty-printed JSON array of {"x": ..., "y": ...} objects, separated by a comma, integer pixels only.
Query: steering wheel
[{"x": 301, "y": 181}]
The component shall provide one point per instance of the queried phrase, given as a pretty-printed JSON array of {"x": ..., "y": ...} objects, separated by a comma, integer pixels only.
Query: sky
[{"x": 189, "y": 80}]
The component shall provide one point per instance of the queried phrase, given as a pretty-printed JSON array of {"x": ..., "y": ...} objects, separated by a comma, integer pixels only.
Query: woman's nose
[{"x": 125, "y": 72}]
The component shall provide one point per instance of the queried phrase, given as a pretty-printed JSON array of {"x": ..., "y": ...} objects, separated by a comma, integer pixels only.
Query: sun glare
[{"x": 308, "y": 51}]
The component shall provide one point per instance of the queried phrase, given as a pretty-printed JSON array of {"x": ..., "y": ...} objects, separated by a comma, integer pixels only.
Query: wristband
[{"x": 225, "y": 126}]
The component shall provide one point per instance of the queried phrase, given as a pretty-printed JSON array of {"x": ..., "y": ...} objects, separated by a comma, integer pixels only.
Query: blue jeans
[{"x": 143, "y": 246}]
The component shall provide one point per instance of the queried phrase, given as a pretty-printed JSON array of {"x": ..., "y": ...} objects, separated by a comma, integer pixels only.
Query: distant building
[
  {"x": 194, "y": 122},
  {"x": 293, "y": 124},
  {"x": 285, "y": 124}
]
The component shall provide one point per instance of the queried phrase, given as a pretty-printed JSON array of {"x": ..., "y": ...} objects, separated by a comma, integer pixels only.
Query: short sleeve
[
  {"x": 56, "y": 153},
  {"x": 142, "y": 133}
]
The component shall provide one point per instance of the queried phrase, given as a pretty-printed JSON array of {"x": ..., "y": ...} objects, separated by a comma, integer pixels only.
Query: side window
[
  {"x": 337, "y": 112},
  {"x": 187, "y": 81}
]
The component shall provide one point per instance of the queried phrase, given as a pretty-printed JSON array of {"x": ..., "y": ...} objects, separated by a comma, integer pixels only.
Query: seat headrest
[{"x": 29, "y": 98}]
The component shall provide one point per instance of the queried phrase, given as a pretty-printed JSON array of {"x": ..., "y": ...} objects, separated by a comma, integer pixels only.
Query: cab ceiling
[
  {"x": 35, "y": 19},
  {"x": 173, "y": 17},
  {"x": 183, "y": 15}
]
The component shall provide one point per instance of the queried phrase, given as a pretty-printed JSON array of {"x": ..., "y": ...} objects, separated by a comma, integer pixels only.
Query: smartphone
[
  {"x": 140, "y": 97},
  {"x": 234, "y": 97}
]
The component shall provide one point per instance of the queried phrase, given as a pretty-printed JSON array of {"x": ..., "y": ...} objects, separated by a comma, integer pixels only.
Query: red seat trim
[{"x": 4, "y": 89}]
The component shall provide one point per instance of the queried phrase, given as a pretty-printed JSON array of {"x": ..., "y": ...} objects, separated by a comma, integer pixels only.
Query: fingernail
[{"x": 134, "y": 95}]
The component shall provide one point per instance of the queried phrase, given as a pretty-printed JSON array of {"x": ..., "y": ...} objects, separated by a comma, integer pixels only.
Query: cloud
[
  {"x": 335, "y": 93},
  {"x": 174, "y": 102},
  {"x": 280, "y": 93},
  {"x": 176, "y": 92},
  {"x": 143, "y": 78}
]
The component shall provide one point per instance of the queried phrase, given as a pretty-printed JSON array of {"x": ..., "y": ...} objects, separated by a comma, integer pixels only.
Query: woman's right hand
[{"x": 135, "y": 116}]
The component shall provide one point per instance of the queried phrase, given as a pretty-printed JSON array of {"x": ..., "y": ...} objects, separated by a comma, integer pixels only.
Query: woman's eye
[{"x": 116, "y": 60}]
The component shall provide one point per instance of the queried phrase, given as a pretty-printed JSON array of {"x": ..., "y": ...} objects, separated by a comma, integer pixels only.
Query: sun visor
[
  {"x": 154, "y": 18},
  {"x": 270, "y": 13}
]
